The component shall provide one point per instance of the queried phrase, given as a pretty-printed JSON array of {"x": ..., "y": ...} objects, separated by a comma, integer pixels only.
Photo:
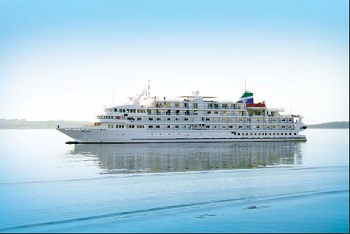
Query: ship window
[
  {"x": 158, "y": 119},
  {"x": 150, "y": 119},
  {"x": 150, "y": 126},
  {"x": 168, "y": 126},
  {"x": 168, "y": 119},
  {"x": 139, "y": 118},
  {"x": 157, "y": 126},
  {"x": 209, "y": 112},
  {"x": 295, "y": 134},
  {"x": 238, "y": 134},
  {"x": 186, "y": 119},
  {"x": 176, "y": 126}
]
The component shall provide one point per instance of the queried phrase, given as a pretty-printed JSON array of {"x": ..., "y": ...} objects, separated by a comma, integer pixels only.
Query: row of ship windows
[
  {"x": 203, "y": 119},
  {"x": 129, "y": 110},
  {"x": 234, "y": 133},
  {"x": 263, "y": 134},
  {"x": 177, "y": 105},
  {"x": 188, "y": 127},
  {"x": 174, "y": 112},
  {"x": 187, "y": 104},
  {"x": 125, "y": 126}
]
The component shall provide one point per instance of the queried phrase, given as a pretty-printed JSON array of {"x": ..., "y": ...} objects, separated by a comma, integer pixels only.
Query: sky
[{"x": 68, "y": 59}]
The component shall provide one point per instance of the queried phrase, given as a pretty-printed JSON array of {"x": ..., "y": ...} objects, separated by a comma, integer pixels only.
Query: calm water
[{"x": 48, "y": 186}]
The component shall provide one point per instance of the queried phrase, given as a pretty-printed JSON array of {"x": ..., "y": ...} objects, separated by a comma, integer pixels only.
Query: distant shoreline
[
  {"x": 50, "y": 124},
  {"x": 330, "y": 125}
]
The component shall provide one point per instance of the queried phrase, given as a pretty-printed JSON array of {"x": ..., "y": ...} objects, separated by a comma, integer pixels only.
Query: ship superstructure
[{"x": 192, "y": 118}]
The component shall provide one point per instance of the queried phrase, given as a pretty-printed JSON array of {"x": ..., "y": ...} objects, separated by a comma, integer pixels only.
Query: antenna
[{"x": 148, "y": 93}]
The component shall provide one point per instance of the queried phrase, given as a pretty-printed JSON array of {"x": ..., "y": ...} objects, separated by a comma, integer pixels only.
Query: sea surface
[{"x": 49, "y": 186}]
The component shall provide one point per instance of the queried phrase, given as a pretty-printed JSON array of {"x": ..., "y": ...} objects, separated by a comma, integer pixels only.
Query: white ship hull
[{"x": 90, "y": 136}]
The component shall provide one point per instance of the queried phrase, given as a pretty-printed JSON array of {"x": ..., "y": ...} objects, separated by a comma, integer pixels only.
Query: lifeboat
[{"x": 259, "y": 104}]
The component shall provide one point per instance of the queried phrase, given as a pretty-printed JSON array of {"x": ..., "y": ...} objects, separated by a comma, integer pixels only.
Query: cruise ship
[{"x": 191, "y": 118}]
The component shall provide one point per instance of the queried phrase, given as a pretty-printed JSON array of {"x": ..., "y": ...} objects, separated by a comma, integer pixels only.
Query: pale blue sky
[{"x": 65, "y": 59}]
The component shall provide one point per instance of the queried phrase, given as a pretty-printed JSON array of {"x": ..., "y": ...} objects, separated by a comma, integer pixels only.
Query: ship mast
[{"x": 146, "y": 93}]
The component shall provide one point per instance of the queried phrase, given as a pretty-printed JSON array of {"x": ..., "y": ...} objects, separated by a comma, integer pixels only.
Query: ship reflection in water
[{"x": 157, "y": 158}]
